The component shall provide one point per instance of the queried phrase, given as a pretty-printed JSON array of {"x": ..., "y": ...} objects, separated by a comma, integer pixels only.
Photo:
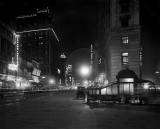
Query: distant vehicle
[
  {"x": 73, "y": 87},
  {"x": 36, "y": 86},
  {"x": 81, "y": 91},
  {"x": 63, "y": 84}
]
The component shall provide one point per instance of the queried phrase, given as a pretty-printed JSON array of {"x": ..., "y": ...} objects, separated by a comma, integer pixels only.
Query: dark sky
[
  {"x": 76, "y": 20},
  {"x": 76, "y": 23},
  {"x": 150, "y": 37}
]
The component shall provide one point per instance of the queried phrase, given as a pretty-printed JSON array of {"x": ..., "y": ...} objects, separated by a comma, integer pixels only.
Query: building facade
[
  {"x": 7, "y": 48},
  {"x": 119, "y": 36},
  {"x": 69, "y": 79},
  {"x": 15, "y": 72},
  {"x": 38, "y": 40},
  {"x": 62, "y": 68}
]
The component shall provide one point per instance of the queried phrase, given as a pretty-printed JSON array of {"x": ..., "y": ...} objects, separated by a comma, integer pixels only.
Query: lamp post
[
  {"x": 51, "y": 82},
  {"x": 85, "y": 72}
]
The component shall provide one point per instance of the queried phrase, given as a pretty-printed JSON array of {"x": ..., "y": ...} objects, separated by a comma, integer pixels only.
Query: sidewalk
[
  {"x": 12, "y": 93},
  {"x": 133, "y": 107}
]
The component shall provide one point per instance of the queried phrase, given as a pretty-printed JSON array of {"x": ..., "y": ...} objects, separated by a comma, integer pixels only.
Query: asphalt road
[{"x": 61, "y": 110}]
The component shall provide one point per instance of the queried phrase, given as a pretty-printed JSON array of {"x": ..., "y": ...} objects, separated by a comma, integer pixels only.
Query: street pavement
[{"x": 62, "y": 110}]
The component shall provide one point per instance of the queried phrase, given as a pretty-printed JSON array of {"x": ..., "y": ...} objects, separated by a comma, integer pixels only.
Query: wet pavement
[{"x": 62, "y": 110}]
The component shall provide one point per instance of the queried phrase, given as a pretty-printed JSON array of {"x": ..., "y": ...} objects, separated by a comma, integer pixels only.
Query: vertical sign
[{"x": 17, "y": 48}]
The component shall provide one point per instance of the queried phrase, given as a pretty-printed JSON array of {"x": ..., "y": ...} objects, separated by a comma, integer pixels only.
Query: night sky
[
  {"x": 76, "y": 20},
  {"x": 150, "y": 37},
  {"x": 76, "y": 24}
]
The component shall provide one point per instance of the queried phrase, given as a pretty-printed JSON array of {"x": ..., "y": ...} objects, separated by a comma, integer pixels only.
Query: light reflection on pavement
[{"x": 61, "y": 110}]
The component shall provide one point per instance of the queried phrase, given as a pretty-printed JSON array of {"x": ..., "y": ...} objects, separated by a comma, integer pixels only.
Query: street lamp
[
  {"x": 51, "y": 81},
  {"x": 85, "y": 71}
]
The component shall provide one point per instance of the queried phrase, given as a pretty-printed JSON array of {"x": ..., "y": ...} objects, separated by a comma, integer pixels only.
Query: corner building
[
  {"x": 119, "y": 36},
  {"x": 7, "y": 48},
  {"x": 38, "y": 40}
]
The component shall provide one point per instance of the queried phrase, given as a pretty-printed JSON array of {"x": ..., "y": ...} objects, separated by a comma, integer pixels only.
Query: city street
[{"x": 61, "y": 110}]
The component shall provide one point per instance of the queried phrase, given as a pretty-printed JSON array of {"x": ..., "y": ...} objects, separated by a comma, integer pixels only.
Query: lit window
[
  {"x": 124, "y": 58},
  {"x": 140, "y": 58},
  {"x": 124, "y": 40}
]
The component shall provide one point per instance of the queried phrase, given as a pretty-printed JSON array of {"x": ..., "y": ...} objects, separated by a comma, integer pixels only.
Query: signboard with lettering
[
  {"x": 126, "y": 80},
  {"x": 13, "y": 67}
]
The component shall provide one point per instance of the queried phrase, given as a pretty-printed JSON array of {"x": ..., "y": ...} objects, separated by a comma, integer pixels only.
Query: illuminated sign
[
  {"x": 35, "y": 79},
  {"x": 13, "y": 67},
  {"x": 17, "y": 48},
  {"x": 36, "y": 72},
  {"x": 69, "y": 69},
  {"x": 62, "y": 56},
  {"x": 59, "y": 71},
  {"x": 126, "y": 80}
]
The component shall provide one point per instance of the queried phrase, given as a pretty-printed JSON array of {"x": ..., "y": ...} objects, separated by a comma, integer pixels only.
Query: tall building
[
  {"x": 7, "y": 48},
  {"x": 38, "y": 40},
  {"x": 69, "y": 79},
  {"x": 62, "y": 68},
  {"x": 15, "y": 72},
  {"x": 119, "y": 36}
]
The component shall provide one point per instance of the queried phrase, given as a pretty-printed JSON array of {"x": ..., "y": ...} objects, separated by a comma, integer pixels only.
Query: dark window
[
  {"x": 124, "y": 21},
  {"x": 124, "y": 6}
]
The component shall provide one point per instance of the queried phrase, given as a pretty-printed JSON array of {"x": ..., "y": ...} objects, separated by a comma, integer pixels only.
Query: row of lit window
[
  {"x": 125, "y": 57},
  {"x": 124, "y": 54},
  {"x": 40, "y": 34}
]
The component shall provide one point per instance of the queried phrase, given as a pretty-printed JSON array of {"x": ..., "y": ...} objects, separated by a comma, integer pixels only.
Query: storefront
[
  {"x": 13, "y": 82},
  {"x": 126, "y": 82}
]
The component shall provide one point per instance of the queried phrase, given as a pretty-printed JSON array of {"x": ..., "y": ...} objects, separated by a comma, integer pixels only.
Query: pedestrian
[{"x": 85, "y": 95}]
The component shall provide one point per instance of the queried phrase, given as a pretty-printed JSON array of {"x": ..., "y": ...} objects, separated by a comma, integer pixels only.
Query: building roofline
[{"x": 27, "y": 31}]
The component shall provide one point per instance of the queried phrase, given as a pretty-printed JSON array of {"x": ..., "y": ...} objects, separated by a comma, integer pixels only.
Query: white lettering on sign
[
  {"x": 126, "y": 80},
  {"x": 13, "y": 67}
]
